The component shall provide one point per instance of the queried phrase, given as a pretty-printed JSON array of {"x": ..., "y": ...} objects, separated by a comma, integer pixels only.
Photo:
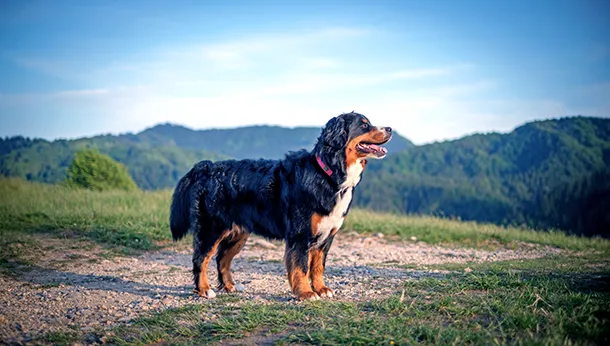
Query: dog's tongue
[{"x": 378, "y": 148}]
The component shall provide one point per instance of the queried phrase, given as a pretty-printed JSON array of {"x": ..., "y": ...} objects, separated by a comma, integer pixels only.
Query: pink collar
[{"x": 324, "y": 167}]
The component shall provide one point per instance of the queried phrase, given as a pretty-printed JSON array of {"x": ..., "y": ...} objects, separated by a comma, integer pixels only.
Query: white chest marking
[
  {"x": 335, "y": 219},
  {"x": 353, "y": 174}
]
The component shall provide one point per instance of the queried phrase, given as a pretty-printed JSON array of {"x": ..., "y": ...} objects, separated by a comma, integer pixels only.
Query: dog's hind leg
[
  {"x": 205, "y": 246},
  {"x": 229, "y": 247}
]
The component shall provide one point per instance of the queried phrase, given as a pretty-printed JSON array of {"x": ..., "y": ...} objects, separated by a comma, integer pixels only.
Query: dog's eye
[{"x": 364, "y": 126}]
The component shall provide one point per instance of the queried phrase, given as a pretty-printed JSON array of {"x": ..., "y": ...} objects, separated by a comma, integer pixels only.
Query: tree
[{"x": 93, "y": 170}]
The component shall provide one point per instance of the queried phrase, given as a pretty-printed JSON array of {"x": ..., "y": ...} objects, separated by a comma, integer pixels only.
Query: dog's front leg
[
  {"x": 297, "y": 258},
  {"x": 317, "y": 265}
]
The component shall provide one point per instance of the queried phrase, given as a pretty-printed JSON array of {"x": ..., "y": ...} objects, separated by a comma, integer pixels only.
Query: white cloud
[
  {"x": 319, "y": 63},
  {"x": 80, "y": 93},
  {"x": 420, "y": 118},
  {"x": 274, "y": 42},
  {"x": 243, "y": 53}
]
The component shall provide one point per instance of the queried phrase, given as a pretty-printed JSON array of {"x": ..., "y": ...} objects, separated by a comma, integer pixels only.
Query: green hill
[
  {"x": 493, "y": 177},
  {"x": 151, "y": 166}
]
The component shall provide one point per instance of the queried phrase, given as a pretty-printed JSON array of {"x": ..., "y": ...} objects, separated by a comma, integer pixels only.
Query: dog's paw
[
  {"x": 310, "y": 295},
  {"x": 232, "y": 288},
  {"x": 325, "y": 292},
  {"x": 209, "y": 293}
]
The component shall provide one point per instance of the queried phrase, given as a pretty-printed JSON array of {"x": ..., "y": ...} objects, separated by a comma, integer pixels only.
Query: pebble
[{"x": 263, "y": 243}]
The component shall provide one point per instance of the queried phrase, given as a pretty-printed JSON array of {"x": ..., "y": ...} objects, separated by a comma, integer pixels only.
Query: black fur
[{"x": 271, "y": 198}]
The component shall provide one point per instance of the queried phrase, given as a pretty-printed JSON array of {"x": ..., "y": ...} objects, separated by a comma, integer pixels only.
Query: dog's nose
[{"x": 387, "y": 129}]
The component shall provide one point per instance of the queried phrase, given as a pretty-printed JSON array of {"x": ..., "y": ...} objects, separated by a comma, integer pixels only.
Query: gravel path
[{"x": 77, "y": 289}]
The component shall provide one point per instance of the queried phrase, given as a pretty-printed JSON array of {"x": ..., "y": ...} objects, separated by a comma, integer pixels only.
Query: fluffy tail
[{"x": 185, "y": 201}]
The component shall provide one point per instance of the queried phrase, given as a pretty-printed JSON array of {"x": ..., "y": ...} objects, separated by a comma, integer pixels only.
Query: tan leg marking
[
  {"x": 204, "y": 285},
  {"x": 316, "y": 271},
  {"x": 238, "y": 240},
  {"x": 299, "y": 280}
]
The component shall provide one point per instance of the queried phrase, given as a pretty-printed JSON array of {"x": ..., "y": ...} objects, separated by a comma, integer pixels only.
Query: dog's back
[{"x": 226, "y": 193}]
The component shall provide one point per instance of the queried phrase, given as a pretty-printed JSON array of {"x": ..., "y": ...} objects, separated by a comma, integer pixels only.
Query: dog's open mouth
[{"x": 374, "y": 149}]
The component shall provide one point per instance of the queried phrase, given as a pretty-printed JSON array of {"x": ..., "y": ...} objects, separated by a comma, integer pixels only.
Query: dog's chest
[
  {"x": 335, "y": 219},
  {"x": 354, "y": 172}
]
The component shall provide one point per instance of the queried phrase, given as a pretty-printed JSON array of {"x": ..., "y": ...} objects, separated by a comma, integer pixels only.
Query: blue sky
[{"x": 433, "y": 70}]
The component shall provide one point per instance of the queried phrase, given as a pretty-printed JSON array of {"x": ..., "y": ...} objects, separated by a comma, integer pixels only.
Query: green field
[
  {"x": 140, "y": 220},
  {"x": 554, "y": 300}
]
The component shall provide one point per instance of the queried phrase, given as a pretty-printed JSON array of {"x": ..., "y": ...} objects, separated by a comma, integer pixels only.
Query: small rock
[
  {"x": 378, "y": 235},
  {"x": 468, "y": 270},
  {"x": 263, "y": 243},
  {"x": 414, "y": 238}
]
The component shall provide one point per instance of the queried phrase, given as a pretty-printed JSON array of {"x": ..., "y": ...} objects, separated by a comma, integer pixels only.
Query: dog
[{"x": 302, "y": 199}]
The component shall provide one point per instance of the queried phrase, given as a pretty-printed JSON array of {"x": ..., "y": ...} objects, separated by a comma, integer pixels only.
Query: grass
[
  {"x": 550, "y": 265},
  {"x": 125, "y": 220},
  {"x": 435, "y": 230},
  {"x": 139, "y": 220}
]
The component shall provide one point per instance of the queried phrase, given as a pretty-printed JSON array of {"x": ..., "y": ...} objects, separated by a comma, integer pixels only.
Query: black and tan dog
[{"x": 302, "y": 199}]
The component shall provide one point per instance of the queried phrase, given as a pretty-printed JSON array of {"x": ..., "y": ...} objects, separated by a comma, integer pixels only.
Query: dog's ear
[{"x": 334, "y": 133}]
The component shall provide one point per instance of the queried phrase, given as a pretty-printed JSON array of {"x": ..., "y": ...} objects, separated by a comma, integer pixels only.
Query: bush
[{"x": 93, "y": 170}]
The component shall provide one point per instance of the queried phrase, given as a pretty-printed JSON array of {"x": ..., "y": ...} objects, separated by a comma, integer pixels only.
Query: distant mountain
[
  {"x": 246, "y": 142},
  {"x": 151, "y": 166},
  {"x": 500, "y": 178},
  {"x": 157, "y": 157}
]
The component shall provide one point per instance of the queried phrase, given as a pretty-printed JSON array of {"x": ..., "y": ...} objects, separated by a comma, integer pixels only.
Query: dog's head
[{"x": 354, "y": 133}]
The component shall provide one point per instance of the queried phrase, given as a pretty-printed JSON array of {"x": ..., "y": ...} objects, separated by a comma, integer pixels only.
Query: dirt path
[{"x": 77, "y": 289}]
